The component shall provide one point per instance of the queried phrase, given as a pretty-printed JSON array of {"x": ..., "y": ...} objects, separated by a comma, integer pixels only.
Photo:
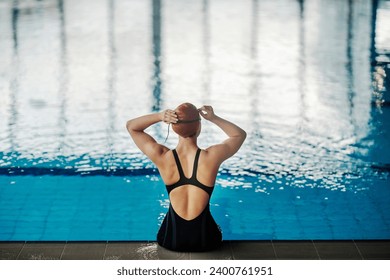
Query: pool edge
[{"x": 230, "y": 250}]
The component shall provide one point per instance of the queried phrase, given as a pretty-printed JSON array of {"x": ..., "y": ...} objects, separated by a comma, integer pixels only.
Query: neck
[{"x": 187, "y": 143}]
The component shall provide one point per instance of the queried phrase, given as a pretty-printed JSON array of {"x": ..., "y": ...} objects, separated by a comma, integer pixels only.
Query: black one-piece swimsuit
[{"x": 198, "y": 234}]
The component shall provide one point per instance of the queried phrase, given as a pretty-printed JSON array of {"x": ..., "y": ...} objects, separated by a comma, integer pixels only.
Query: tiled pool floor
[{"x": 239, "y": 250}]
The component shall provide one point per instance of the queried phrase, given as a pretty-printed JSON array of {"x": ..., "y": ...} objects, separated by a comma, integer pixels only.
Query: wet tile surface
[
  {"x": 164, "y": 254},
  {"x": 337, "y": 250},
  {"x": 295, "y": 250},
  {"x": 253, "y": 250},
  {"x": 40, "y": 252},
  {"x": 10, "y": 250},
  {"x": 239, "y": 250},
  {"x": 123, "y": 251},
  {"x": 141, "y": 251},
  {"x": 222, "y": 253},
  {"x": 84, "y": 251},
  {"x": 374, "y": 250}
]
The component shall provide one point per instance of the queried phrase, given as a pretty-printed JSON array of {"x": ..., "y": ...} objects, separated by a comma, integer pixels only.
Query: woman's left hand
[{"x": 169, "y": 116}]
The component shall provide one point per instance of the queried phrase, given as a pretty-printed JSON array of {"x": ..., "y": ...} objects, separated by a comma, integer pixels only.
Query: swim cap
[{"x": 189, "y": 120}]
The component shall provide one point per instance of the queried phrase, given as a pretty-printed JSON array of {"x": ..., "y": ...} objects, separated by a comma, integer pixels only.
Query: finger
[
  {"x": 204, "y": 115},
  {"x": 173, "y": 116},
  {"x": 167, "y": 116},
  {"x": 203, "y": 109},
  {"x": 170, "y": 112}
]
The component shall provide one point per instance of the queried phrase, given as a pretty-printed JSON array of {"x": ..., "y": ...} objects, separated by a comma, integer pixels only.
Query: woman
[{"x": 189, "y": 174}]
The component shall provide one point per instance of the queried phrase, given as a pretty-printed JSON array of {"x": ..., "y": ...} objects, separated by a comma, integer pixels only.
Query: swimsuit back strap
[
  {"x": 195, "y": 169},
  {"x": 179, "y": 168}
]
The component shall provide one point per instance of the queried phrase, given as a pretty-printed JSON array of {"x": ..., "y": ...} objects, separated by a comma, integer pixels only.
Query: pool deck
[{"x": 230, "y": 250}]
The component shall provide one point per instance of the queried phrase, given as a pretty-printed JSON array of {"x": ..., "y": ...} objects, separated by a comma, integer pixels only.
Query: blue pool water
[
  {"x": 312, "y": 93},
  {"x": 131, "y": 208}
]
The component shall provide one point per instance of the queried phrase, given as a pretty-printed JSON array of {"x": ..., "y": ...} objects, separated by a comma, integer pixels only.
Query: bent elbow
[
  {"x": 240, "y": 135},
  {"x": 243, "y": 135},
  {"x": 129, "y": 126}
]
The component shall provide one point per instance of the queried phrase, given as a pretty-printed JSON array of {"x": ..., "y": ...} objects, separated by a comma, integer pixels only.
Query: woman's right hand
[
  {"x": 168, "y": 116},
  {"x": 207, "y": 112}
]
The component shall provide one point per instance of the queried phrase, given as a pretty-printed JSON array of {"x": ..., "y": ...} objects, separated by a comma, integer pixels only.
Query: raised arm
[
  {"x": 146, "y": 143},
  {"x": 232, "y": 144}
]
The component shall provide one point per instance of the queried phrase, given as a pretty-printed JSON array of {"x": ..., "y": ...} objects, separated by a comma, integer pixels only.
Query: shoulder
[
  {"x": 211, "y": 156},
  {"x": 164, "y": 156},
  {"x": 216, "y": 153}
]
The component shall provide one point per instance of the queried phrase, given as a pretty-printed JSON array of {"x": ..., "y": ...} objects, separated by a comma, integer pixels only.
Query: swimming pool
[{"x": 308, "y": 91}]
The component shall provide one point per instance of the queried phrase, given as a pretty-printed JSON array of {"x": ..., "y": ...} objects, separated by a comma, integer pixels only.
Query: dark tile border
[
  {"x": 230, "y": 250},
  {"x": 338, "y": 250},
  {"x": 10, "y": 250},
  {"x": 253, "y": 250},
  {"x": 374, "y": 250},
  {"x": 84, "y": 251},
  {"x": 41, "y": 252},
  {"x": 295, "y": 250},
  {"x": 222, "y": 253}
]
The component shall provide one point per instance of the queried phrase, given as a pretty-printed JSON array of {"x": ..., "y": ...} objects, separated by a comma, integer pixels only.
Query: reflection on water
[{"x": 306, "y": 79}]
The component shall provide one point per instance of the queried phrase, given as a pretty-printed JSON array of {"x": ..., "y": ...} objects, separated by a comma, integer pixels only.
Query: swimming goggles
[{"x": 187, "y": 121}]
